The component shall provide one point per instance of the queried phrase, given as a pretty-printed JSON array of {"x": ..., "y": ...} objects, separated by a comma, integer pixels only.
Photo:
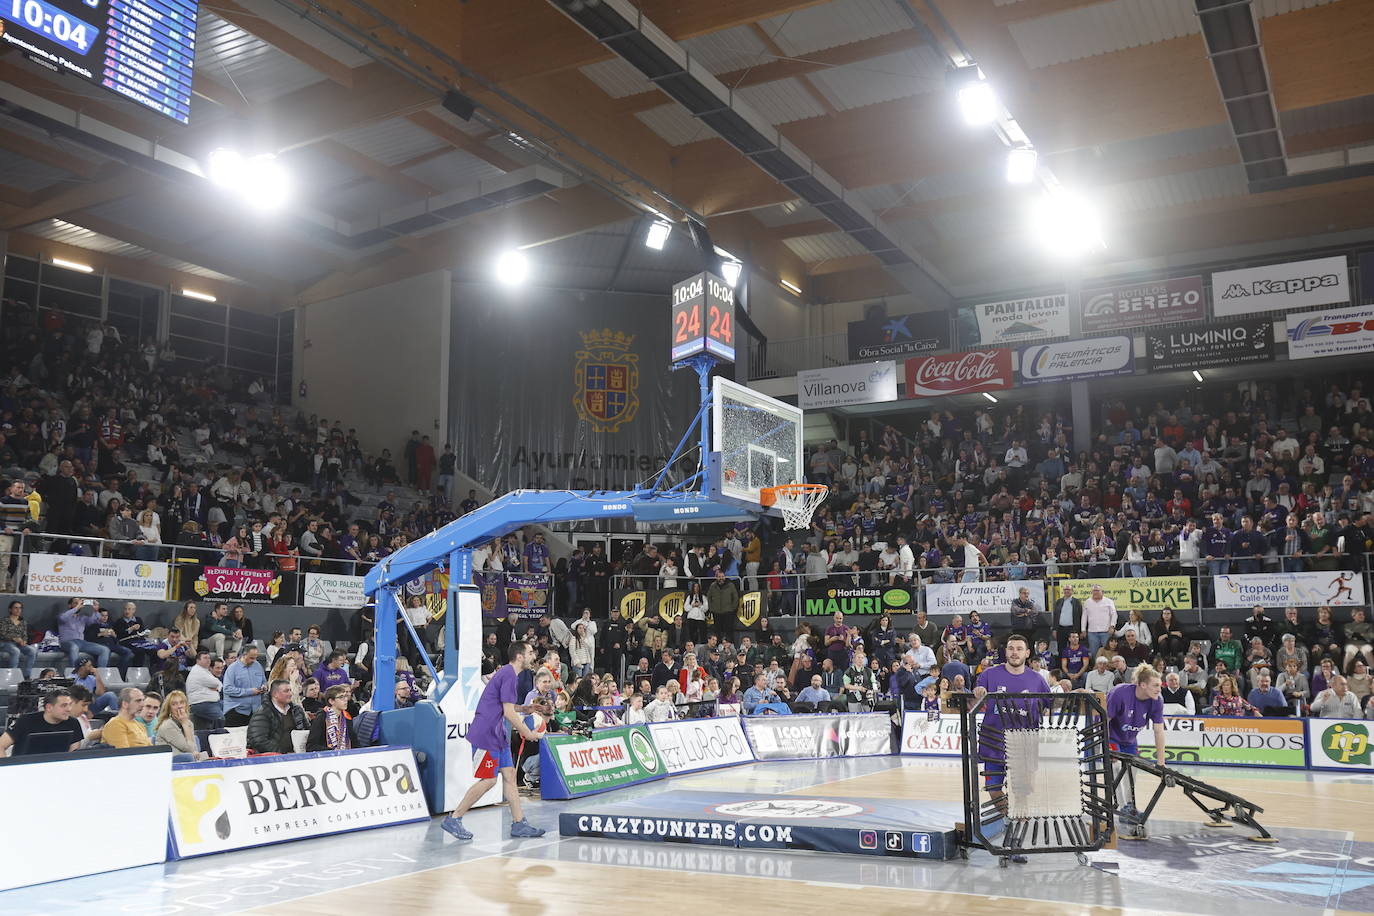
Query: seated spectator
[
  {"x": 815, "y": 696},
  {"x": 1266, "y": 696},
  {"x": 1133, "y": 650},
  {"x": 148, "y": 712},
  {"x": 1228, "y": 650},
  {"x": 1101, "y": 679},
  {"x": 1292, "y": 683},
  {"x": 271, "y": 724},
  {"x": 1074, "y": 660},
  {"x": 15, "y": 650},
  {"x": 662, "y": 709},
  {"x": 332, "y": 730},
  {"x": 85, "y": 675},
  {"x": 36, "y": 732},
  {"x": 1359, "y": 640},
  {"x": 1289, "y": 650},
  {"x": 1336, "y": 701},
  {"x": 1228, "y": 702},
  {"x": 332, "y": 672},
  {"x": 313, "y": 648},
  {"x": 634, "y": 709},
  {"x": 220, "y": 635},
  {"x": 1178, "y": 700},
  {"x": 125, "y": 730},
  {"x": 175, "y": 728},
  {"x": 1322, "y": 677},
  {"x": 1359, "y": 680},
  {"x": 312, "y": 698}
]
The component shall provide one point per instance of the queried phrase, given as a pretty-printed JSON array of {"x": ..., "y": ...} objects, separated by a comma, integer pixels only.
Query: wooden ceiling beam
[
  {"x": 463, "y": 141},
  {"x": 47, "y": 152},
  {"x": 374, "y": 169},
  {"x": 115, "y": 182},
  {"x": 282, "y": 40}
]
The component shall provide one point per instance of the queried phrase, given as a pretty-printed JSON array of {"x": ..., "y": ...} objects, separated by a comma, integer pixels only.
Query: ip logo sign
[{"x": 1347, "y": 744}]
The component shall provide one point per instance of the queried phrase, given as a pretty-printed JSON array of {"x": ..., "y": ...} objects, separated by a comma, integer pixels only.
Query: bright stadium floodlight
[
  {"x": 1065, "y": 224},
  {"x": 977, "y": 101},
  {"x": 730, "y": 271},
  {"x": 1021, "y": 165},
  {"x": 658, "y": 233},
  {"x": 259, "y": 181},
  {"x": 225, "y": 167},
  {"x": 512, "y": 267}
]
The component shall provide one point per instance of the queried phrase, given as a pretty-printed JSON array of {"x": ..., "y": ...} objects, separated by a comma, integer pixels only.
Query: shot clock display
[
  {"x": 703, "y": 318},
  {"x": 144, "y": 50}
]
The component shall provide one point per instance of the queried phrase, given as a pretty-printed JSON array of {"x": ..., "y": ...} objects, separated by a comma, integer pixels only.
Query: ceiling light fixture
[
  {"x": 73, "y": 265},
  {"x": 1197, "y": 375},
  {"x": 977, "y": 101},
  {"x": 658, "y": 233},
  {"x": 989, "y": 397},
  {"x": 197, "y": 294},
  {"x": 512, "y": 267},
  {"x": 790, "y": 287},
  {"x": 1021, "y": 165},
  {"x": 730, "y": 271},
  {"x": 1066, "y": 224}
]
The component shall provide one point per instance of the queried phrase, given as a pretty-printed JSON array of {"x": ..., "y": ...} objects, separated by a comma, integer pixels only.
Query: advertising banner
[
  {"x": 826, "y": 599},
  {"x": 92, "y": 577},
  {"x": 1331, "y": 333},
  {"x": 958, "y": 373},
  {"x": 1249, "y": 742},
  {"x": 1340, "y": 744},
  {"x": 987, "y": 598},
  {"x": 1036, "y": 318},
  {"x": 840, "y": 386},
  {"x": 1203, "y": 346},
  {"x": 571, "y": 765},
  {"x": 1076, "y": 360},
  {"x": 1151, "y": 593},
  {"x": 700, "y": 744},
  {"x": 228, "y": 582},
  {"x": 459, "y": 707},
  {"x": 1303, "y": 589},
  {"x": 220, "y": 805},
  {"x": 1295, "y": 285},
  {"x": 492, "y": 587},
  {"x": 883, "y": 336},
  {"x": 327, "y": 590},
  {"x": 927, "y": 737},
  {"x": 1113, "y": 308},
  {"x": 812, "y": 737}
]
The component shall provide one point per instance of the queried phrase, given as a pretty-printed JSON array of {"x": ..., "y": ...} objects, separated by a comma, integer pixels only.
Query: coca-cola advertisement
[
  {"x": 958, "y": 373},
  {"x": 228, "y": 582}
]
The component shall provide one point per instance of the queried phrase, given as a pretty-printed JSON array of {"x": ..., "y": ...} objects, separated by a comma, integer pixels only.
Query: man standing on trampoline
[
  {"x": 497, "y": 708},
  {"x": 1130, "y": 708},
  {"x": 1012, "y": 676}
]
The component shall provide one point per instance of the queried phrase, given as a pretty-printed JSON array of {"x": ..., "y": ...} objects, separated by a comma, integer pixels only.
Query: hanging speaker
[{"x": 459, "y": 104}]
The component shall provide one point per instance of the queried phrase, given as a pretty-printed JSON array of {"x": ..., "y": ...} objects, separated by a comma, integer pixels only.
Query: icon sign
[
  {"x": 868, "y": 839},
  {"x": 893, "y": 841},
  {"x": 920, "y": 842}
]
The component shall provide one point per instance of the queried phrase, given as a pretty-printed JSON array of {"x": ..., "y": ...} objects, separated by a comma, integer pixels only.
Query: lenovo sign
[{"x": 958, "y": 373}]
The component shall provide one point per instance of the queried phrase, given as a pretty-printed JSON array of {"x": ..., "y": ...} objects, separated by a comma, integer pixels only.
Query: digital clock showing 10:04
[{"x": 56, "y": 25}]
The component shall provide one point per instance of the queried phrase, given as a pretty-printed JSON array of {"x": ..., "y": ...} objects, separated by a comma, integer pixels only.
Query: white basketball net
[{"x": 798, "y": 505}]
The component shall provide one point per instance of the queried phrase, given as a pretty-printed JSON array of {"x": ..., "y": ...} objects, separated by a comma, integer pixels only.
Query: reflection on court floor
[{"x": 1324, "y": 859}]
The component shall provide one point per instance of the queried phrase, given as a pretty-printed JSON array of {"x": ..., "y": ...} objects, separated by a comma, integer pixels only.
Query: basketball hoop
[{"x": 797, "y": 502}]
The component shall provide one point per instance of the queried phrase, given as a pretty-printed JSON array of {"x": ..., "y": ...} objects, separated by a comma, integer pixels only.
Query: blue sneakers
[
  {"x": 523, "y": 829},
  {"x": 453, "y": 826}
]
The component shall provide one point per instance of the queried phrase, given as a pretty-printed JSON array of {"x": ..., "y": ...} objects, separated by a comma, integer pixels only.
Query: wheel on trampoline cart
[
  {"x": 1226, "y": 824},
  {"x": 1003, "y": 862},
  {"x": 1263, "y": 839},
  {"x": 1082, "y": 858}
]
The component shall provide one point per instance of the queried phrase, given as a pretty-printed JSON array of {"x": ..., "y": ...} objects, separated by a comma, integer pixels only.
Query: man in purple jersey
[
  {"x": 497, "y": 707},
  {"x": 1012, "y": 676},
  {"x": 1130, "y": 708}
]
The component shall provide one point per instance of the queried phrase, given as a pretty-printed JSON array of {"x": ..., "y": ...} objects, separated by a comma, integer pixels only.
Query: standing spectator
[
  {"x": 582, "y": 651},
  {"x": 448, "y": 467},
  {"x": 15, "y": 651},
  {"x": 188, "y": 624},
  {"x": 424, "y": 464},
  {"x": 722, "y": 599},
  {"x": 694, "y": 607},
  {"x": 244, "y": 684},
  {"x": 1024, "y": 614},
  {"x": 60, "y": 494},
  {"x": 1099, "y": 619}
]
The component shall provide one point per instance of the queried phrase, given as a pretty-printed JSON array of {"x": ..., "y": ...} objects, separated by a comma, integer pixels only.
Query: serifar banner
[
  {"x": 1295, "y": 285},
  {"x": 987, "y": 598},
  {"x": 92, "y": 577},
  {"x": 812, "y": 737},
  {"x": 1076, "y": 360},
  {"x": 1204, "y": 346},
  {"x": 959, "y": 373},
  {"x": 572, "y": 765},
  {"x": 223, "y": 805},
  {"x": 700, "y": 744},
  {"x": 1016, "y": 320},
  {"x": 1331, "y": 333},
  {"x": 1113, "y": 308},
  {"x": 884, "y": 337},
  {"x": 1301, "y": 589},
  {"x": 841, "y": 386},
  {"x": 231, "y": 582}
]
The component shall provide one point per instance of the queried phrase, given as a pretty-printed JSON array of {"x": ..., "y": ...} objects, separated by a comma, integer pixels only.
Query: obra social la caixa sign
[
  {"x": 222, "y": 805},
  {"x": 958, "y": 373}
]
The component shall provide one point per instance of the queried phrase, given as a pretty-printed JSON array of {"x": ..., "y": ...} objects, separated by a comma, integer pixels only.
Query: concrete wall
[{"x": 378, "y": 361}]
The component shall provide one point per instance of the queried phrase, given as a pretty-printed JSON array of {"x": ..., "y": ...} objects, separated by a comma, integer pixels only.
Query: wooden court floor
[{"x": 544, "y": 883}]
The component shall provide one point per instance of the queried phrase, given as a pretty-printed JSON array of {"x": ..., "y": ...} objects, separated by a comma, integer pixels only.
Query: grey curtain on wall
[{"x": 562, "y": 389}]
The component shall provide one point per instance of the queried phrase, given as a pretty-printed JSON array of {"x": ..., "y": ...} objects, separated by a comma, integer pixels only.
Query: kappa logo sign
[{"x": 1289, "y": 286}]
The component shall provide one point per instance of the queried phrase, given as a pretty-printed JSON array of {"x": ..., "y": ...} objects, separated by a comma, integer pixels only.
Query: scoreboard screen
[
  {"x": 703, "y": 318},
  {"x": 144, "y": 50}
]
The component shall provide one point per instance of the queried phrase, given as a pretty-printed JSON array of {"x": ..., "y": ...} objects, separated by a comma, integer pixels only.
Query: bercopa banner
[
  {"x": 987, "y": 598},
  {"x": 1113, "y": 308},
  {"x": 1294, "y": 285},
  {"x": 1076, "y": 360},
  {"x": 1016, "y": 320},
  {"x": 1303, "y": 589},
  {"x": 1203, "y": 346},
  {"x": 842, "y": 386}
]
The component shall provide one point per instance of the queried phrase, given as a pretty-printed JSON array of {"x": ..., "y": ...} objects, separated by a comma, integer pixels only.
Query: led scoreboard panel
[
  {"x": 144, "y": 50},
  {"x": 703, "y": 318}
]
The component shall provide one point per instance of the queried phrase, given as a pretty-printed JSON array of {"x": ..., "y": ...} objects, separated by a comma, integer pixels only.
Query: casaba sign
[
  {"x": 1115, "y": 307},
  {"x": 826, "y": 599},
  {"x": 958, "y": 373},
  {"x": 881, "y": 336},
  {"x": 595, "y": 403},
  {"x": 1297, "y": 284},
  {"x": 1203, "y": 346}
]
